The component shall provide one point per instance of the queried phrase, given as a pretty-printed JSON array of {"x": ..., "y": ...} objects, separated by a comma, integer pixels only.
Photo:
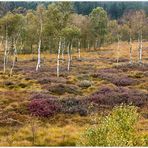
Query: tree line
[
  {"x": 114, "y": 9},
  {"x": 58, "y": 29}
]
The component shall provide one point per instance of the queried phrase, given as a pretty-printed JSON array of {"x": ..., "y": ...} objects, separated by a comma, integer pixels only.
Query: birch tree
[
  {"x": 70, "y": 34},
  {"x": 10, "y": 29},
  {"x": 128, "y": 18},
  {"x": 4, "y": 32},
  {"x": 139, "y": 19},
  {"x": 40, "y": 14},
  {"x": 99, "y": 19}
]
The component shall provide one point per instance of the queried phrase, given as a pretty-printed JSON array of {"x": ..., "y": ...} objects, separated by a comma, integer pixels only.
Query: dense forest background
[{"x": 114, "y": 9}]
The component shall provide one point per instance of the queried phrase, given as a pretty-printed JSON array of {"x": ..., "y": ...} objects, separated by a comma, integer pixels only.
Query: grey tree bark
[
  {"x": 39, "y": 47},
  {"x": 79, "y": 50},
  {"x": 63, "y": 48},
  {"x": 58, "y": 59},
  {"x": 69, "y": 60},
  {"x": 5, "y": 50},
  {"x": 118, "y": 49},
  {"x": 140, "y": 48},
  {"x": 131, "y": 61},
  {"x": 14, "y": 59}
]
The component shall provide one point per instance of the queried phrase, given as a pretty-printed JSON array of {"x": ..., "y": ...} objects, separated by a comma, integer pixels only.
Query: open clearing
[{"x": 93, "y": 86}]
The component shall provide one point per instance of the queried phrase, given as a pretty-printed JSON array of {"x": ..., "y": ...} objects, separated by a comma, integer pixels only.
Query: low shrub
[
  {"x": 135, "y": 66},
  {"x": 72, "y": 106},
  {"x": 44, "y": 80},
  {"x": 116, "y": 129},
  {"x": 50, "y": 79},
  {"x": 115, "y": 96},
  {"x": 61, "y": 89},
  {"x": 83, "y": 77},
  {"x": 9, "y": 84},
  {"x": 137, "y": 75},
  {"x": 114, "y": 77},
  {"x": 84, "y": 84},
  {"x": 146, "y": 139},
  {"x": 42, "y": 95},
  {"x": 43, "y": 107},
  {"x": 22, "y": 85}
]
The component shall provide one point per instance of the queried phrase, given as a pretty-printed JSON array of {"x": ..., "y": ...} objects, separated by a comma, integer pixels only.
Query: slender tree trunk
[
  {"x": 88, "y": 46},
  {"x": 79, "y": 50},
  {"x": 5, "y": 52},
  {"x": 71, "y": 47},
  {"x": 58, "y": 59},
  {"x": 14, "y": 59},
  {"x": 118, "y": 50},
  {"x": 69, "y": 60},
  {"x": 22, "y": 45},
  {"x": 140, "y": 48},
  {"x": 14, "y": 54},
  {"x": 39, "y": 48},
  {"x": 96, "y": 44},
  {"x": 63, "y": 48},
  {"x": 130, "y": 50},
  {"x": 39, "y": 56}
]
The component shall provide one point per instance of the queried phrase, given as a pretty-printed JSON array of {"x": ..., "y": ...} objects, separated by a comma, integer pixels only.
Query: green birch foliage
[
  {"x": 117, "y": 129},
  {"x": 99, "y": 20}
]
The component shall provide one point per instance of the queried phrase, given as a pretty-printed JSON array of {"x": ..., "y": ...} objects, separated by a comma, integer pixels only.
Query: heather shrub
[
  {"x": 116, "y": 129},
  {"x": 49, "y": 79},
  {"x": 83, "y": 76},
  {"x": 114, "y": 96},
  {"x": 43, "y": 107},
  {"x": 44, "y": 80},
  {"x": 84, "y": 84},
  {"x": 61, "y": 89},
  {"x": 72, "y": 106},
  {"x": 129, "y": 67},
  {"x": 117, "y": 79},
  {"x": 42, "y": 95}
]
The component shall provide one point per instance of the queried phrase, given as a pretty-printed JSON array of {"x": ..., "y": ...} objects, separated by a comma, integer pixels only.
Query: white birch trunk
[
  {"x": 63, "y": 48},
  {"x": 39, "y": 56},
  {"x": 68, "y": 66},
  {"x": 5, "y": 52},
  {"x": 14, "y": 59},
  {"x": 14, "y": 55},
  {"x": 131, "y": 61},
  {"x": 71, "y": 52},
  {"x": 58, "y": 59},
  {"x": 140, "y": 49},
  {"x": 39, "y": 48},
  {"x": 79, "y": 50},
  {"x": 118, "y": 51}
]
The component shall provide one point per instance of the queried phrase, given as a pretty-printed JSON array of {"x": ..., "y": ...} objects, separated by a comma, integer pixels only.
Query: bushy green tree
[
  {"x": 10, "y": 27},
  {"x": 99, "y": 19},
  {"x": 117, "y": 129}
]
